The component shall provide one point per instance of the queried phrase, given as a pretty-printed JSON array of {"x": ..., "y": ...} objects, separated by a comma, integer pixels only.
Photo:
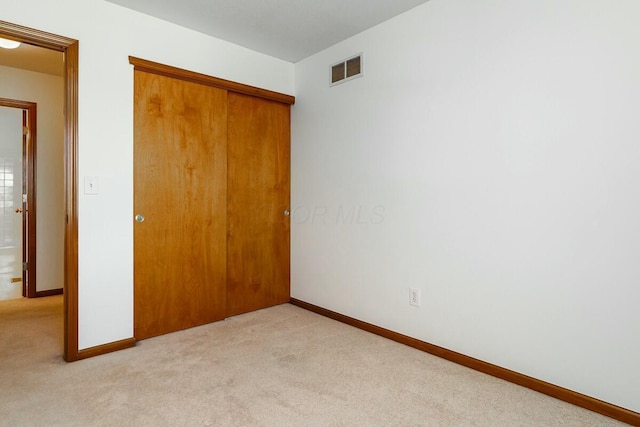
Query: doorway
[
  {"x": 70, "y": 49},
  {"x": 17, "y": 199}
]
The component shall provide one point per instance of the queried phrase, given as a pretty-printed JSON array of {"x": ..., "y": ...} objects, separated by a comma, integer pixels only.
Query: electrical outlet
[{"x": 414, "y": 297}]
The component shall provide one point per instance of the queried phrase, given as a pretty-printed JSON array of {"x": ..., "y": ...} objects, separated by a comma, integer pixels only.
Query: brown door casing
[
  {"x": 27, "y": 209},
  {"x": 70, "y": 48}
]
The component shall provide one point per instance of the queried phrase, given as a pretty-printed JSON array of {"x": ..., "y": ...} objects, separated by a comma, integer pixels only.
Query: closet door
[
  {"x": 257, "y": 203},
  {"x": 180, "y": 180}
]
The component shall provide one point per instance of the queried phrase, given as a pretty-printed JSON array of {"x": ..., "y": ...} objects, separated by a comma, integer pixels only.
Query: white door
[{"x": 10, "y": 200}]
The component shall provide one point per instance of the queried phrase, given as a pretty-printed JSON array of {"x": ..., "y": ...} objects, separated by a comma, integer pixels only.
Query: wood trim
[
  {"x": 35, "y": 37},
  {"x": 25, "y": 218},
  {"x": 71, "y": 51},
  {"x": 14, "y": 103},
  {"x": 570, "y": 396},
  {"x": 29, "y": 177},
  {"x": 71, "y": 203},
  {"x": 190, "y": 76},
  {"x": 106, "y": 348},
  {"x": 31, "y": 169},
  {"x": 49, "y": 293}
]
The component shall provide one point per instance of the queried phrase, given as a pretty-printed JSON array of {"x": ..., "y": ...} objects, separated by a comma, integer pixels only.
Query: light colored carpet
[{"x": 281, "y": 366}]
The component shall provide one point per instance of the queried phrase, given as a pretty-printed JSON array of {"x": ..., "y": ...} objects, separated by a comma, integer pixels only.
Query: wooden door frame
[
  {"x": 70, "y": 49},
  {"x": 29, "y": 178}
]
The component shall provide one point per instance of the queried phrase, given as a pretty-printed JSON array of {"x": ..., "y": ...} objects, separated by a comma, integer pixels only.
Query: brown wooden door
[
  {"x": 180, "y": 180},
  {"x": 257, "y": 198}
]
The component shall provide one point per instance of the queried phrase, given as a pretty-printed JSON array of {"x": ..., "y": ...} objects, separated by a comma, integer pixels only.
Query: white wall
[
  {"x": 492, "y": 149},
  {"x": 108, "y": 34},
  {"x": 45, "y": 90}
]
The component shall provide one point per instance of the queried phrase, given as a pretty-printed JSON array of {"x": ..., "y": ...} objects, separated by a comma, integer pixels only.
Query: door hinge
[
  {"x": 24, "y": 198},
  {"x": 25, "y": 130},
  {"x": 24, "y": 266}
]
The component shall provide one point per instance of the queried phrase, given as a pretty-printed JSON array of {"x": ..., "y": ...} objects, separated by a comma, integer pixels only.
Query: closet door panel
[
  {"x": 257, "y": 203},
  {"x": 180, "y": 181}
]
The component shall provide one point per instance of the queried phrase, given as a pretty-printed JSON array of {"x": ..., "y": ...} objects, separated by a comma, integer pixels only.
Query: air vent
[{"x": 346, "y": 70}]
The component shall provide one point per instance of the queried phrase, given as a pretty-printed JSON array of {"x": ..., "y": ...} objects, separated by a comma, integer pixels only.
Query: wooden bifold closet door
[{"x": 211, "y": 193}]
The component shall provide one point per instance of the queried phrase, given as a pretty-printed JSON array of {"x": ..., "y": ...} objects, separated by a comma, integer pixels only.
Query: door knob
[
  {"x": 18, "y": 210},
  {"x": 286, "y": 212},
  {"x": 139, "y": 218}
]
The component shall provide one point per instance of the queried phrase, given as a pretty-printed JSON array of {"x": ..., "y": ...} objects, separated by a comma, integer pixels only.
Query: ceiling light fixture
[{"x": 8, "y": 44}]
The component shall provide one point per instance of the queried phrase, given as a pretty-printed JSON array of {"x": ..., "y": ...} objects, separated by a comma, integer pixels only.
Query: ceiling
[
  {"x": 288, "y": 29},
  {"x": 33, "y": 58}
]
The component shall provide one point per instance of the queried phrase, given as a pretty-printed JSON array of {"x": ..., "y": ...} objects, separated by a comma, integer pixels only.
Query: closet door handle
[
  {"x": 139, "y": 218},
  {"x": 286, "y": 212}
]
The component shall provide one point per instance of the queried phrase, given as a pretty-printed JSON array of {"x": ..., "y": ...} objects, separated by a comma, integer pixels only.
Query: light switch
[{"x": 90, "y": 185}]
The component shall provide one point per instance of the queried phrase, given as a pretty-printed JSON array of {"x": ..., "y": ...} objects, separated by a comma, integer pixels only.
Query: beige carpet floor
[{"x": 281, "y": 366}]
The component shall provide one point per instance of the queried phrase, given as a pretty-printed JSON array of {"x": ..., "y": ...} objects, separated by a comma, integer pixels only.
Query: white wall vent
[{"x": 347, "y": 69}]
